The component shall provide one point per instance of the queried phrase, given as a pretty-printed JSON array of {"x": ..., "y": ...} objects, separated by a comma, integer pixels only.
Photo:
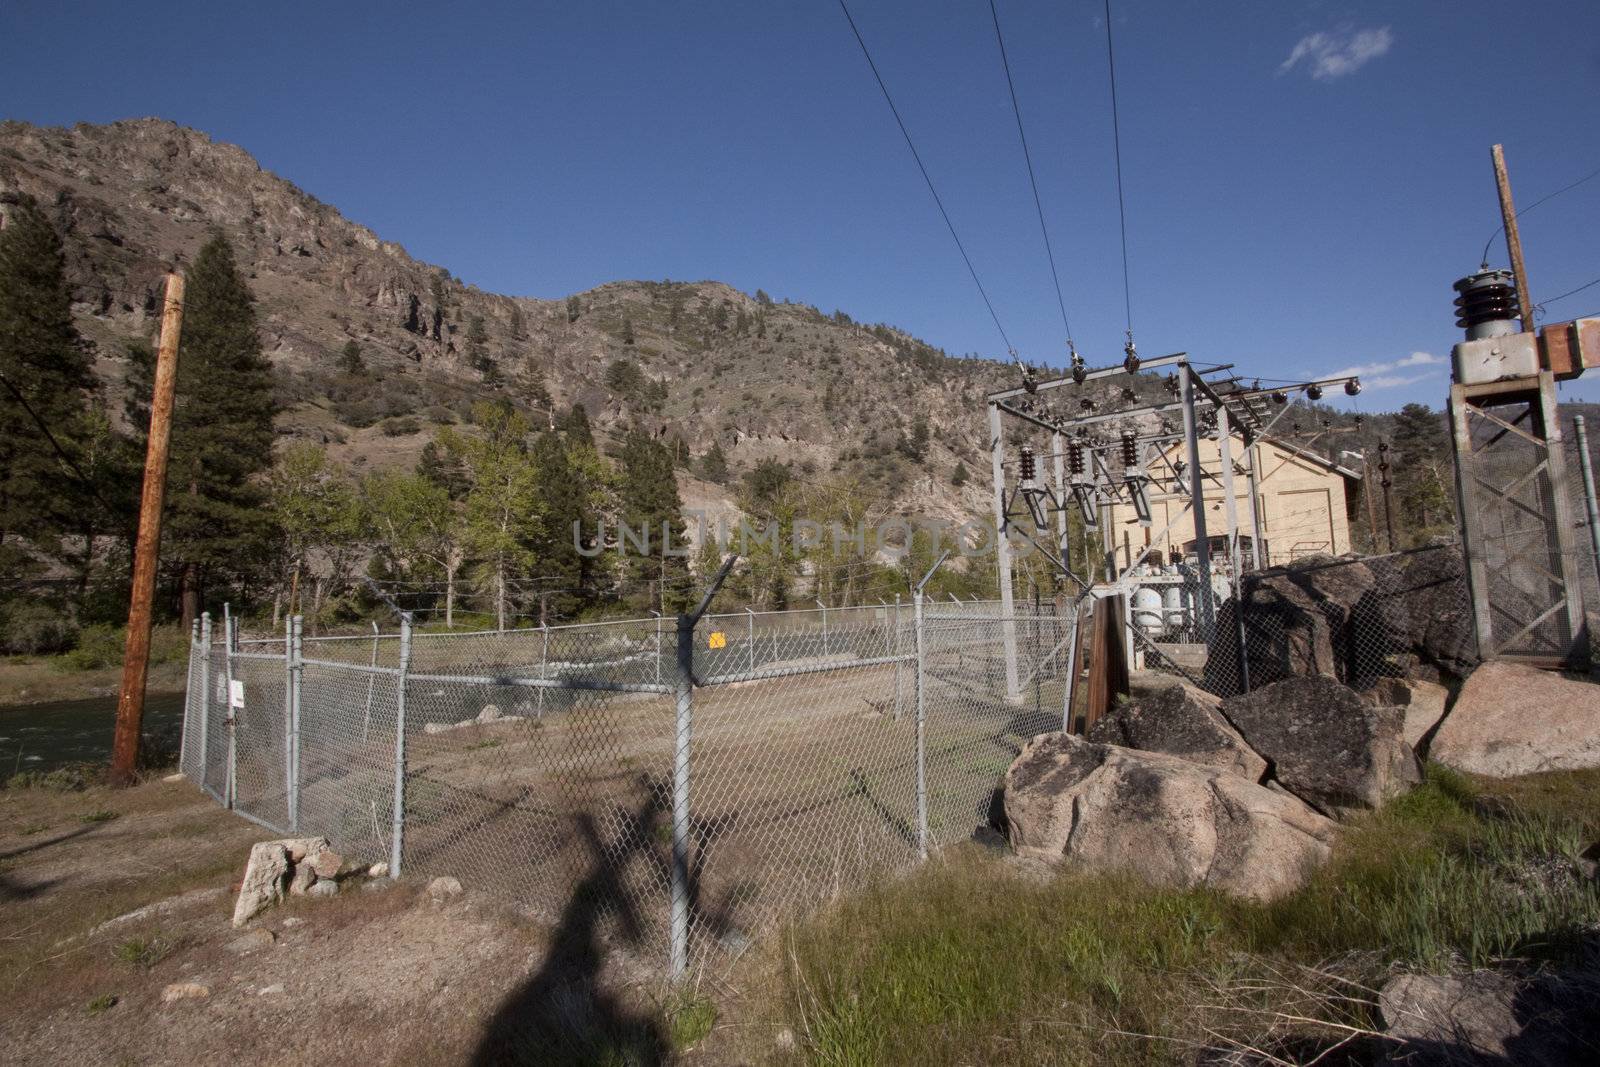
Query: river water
[{"x": 40, "y": 737}]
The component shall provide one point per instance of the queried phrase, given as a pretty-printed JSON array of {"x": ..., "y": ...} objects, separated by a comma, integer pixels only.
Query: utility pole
[
  {"x": 1388, "y": 484},
  {"x": 1508, "y": 215},
  {"x": 136, "y": 657}
]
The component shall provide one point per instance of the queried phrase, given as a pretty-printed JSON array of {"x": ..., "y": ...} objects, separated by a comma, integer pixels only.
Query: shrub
[
  {"x": 402, "y": 426},
  {"x": 32, "y": 628}
]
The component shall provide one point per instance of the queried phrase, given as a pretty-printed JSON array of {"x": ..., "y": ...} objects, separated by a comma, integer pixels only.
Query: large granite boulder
[
  {"x": 1492, "y": 1018},
  {"x": 1167, "y": 820},
  {"x": 1429, "y": 609},
  {"x": 1421, "y": 702},
  {"x": 1509, "y": 719},
  {"x": 1325, "y": 744},
  {"x": 1180, "y": 721}
]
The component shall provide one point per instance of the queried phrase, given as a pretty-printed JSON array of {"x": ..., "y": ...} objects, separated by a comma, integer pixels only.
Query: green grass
[
  {"x": 101, "y": 1004},
  {"x": 972, "y": 961},
  {"x": 689, "y": 1020}
]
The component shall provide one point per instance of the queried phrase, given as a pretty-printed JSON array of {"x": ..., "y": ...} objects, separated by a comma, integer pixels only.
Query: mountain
[{"x": 700, "y": 360}]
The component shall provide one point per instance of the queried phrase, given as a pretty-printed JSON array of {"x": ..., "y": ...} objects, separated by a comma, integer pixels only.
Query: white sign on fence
[{"x": 236, "y": 695}]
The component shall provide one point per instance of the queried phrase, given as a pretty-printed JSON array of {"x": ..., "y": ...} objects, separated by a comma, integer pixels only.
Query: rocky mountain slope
[{"x": 765, "y": 379}]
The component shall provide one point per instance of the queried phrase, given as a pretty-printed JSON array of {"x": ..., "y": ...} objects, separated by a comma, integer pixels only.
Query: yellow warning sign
[{"x": 718, "y": 639}]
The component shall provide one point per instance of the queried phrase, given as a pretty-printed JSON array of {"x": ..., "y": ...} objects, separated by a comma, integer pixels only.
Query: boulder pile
[
  {"x": 297, "y": 866},
  {"x": 1245, "y": 793}
]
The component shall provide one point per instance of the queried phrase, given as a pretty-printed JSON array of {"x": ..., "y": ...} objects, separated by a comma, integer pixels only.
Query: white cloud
[
  {"x": 1338, "y": 52},
  {"x": 1381, "y": 376}
]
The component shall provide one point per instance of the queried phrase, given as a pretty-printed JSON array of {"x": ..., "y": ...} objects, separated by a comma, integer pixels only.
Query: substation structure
[{"x": 1106, "y": 459}]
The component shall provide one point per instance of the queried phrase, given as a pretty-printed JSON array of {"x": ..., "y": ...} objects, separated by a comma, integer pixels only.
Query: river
[{"x": 40, "y": 737}]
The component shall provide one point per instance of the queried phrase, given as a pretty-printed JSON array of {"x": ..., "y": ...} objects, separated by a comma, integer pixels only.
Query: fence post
[
  {"x": 205, "y": 696},
  {"x": 897, "y": 664},
  {"x": 372, "y": 681},
  {"x": 750, "y": 638},
  {"x": 291, "y": 801},
  {"x": 922, "y": 770},
  {"x": 398, "y": 823},
  {"x": 544, "y": 657},
  {"x": 229, "y": 634},
  {"x": 1591, "y": 507},
  {"x": 683, "y": 684},
  {"x": 824, "y": 608}
]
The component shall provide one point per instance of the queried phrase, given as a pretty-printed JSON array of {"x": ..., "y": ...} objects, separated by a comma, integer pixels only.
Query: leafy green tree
[
  {"x": 45, "y": 386},
  {"x": 319, "y": 523},
  {"x": 502, "y": 506},
  {"x": 714, "y": 464},
  {"x": 217, "y": 526},
  {"x": 417, "y": 527},
  {"x": 649, "y": 501},
  {"x": 350, "y": 360}
]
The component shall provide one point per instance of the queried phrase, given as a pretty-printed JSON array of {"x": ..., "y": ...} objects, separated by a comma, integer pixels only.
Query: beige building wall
[{"x": 1303, "y": 507}]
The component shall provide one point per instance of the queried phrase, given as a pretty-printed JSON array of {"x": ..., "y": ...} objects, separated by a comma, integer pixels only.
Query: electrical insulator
[
  {"x": 1029, "y": 467},
  {"x": 1172, "y": 384},
  {"x": 1313, "y": 392},
  {"x": 1075, "y": 458},
  {"x": 1487, "y": 304},
  {"x": 1280, "y": 397},
  {"x": 1087, "y": 404},
  {"x": 1130, "y": 449},
  {"x": 1079, "y": 371},
  {"x": 1352, "y": 387},
  {"x": 1130, "y": 359},
  {"x": 1030, "y": 380}
]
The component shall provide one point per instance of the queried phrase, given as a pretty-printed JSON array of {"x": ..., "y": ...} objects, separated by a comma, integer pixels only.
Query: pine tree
[
  {"x": 576, "y": 426},
  {"x": 959, "y": 478},
  {"x": 45, "y": 383},
  {"x": 714, "y": 464},
  {"x": 503, "y": 504},
  {"x": 443, "y": 469},
  {"x": 217, "y": 526},
  {"x": 572, "y": 480},
  {"x": 350, "y": 360},
  {"x": 574, "y": 308},
  {"x": 650, "y": 502}
]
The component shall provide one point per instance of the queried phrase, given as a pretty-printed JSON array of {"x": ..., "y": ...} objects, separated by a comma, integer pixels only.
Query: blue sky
[{"x": 1304, "y": 180}]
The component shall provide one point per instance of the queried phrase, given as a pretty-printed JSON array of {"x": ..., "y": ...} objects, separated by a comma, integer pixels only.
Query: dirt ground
[
  {"x": 382, "y": 973},
  {"x": 35, "y": 680}
]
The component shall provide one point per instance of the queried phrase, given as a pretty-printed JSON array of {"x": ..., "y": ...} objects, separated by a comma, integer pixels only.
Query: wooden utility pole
[
  {"x": 1508, "y": 216},
  {"x": 136, "y": 658}
]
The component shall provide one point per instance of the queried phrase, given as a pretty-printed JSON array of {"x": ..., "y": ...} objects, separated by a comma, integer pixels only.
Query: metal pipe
[
  {"x": 205, "y": 696},
  {"x": 1230, "y": 508},
  {"x": 1197, "y": 492},
  {"x": 1002, "y": 547},
  {"x": 680, "y": 795},
  {"x": 231, "y": 783},
  {"x": 398, "y": 820},
  {"x": 922, "y": 771},
  {"x": 1587, "y": 466},
  {"x": 372, "y": 681}
]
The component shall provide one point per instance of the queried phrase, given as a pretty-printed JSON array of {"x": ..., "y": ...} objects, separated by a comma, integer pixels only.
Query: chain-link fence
[{"x": 676, "y": 785}]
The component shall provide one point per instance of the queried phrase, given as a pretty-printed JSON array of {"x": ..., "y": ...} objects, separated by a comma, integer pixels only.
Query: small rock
[
  {"x": 292, "y": 921},
  {"x": 302, "y": 880},
  {"x": 377, "y": 885},
  {"x": 444, "y": 887},
  {"x": 490, "y": 713},
  {"x": 784, "y": 1040},
  {"x": 174, "y": 777},
  {"x": 326, "y": 863},
  {"x": 432, "y": 728},
  {"x": 735, "y": 941},
  {"x": 299, "y": 848},
  {"x": 184, "y": 991},
  {"x": 323, "y": 889},
  {"x": 378, "y": 870},
  {"x": 255, "y": 939},
  {"x": 270, "y": 990}
]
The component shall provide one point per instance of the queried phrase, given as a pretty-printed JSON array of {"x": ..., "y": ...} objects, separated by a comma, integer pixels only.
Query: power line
[
  {"x": 925, "y": 176},
  {"x": 1116, "y": 142},
  {"x": 1032, "y": 180},
  {"x": 1498, "y": 230},
  {"x": 1570, "y": 292}
]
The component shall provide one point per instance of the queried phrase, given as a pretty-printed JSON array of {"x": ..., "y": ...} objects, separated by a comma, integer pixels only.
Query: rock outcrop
[
  {"x": 1510, "y": 719},
  {"x": 1422, "y": 704},
  {"x": 1490, "y": 1017},
  {"x": 1184, "y": 721},
  {"x": 1325, "y": 744},
  {"x": 1160, "y": 817}
]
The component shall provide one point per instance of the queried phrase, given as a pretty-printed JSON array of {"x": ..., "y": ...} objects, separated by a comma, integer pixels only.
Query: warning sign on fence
[
  {"x": 718, "y": 639},
  {"x": 236, "y": 694}
]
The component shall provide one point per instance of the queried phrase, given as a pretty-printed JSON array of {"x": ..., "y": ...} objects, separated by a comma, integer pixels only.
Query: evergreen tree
[
  {"x": 350, "y": 360},
  {"x": 627, "y": 329},
  {"x": 572, "y": 480},
  {"x": 714, "y": 464},
  {"x": 574, "y": 308},
  {"x": 576, "y": 426},
  {"x": 650, "y": 502},
  {"x": 45, "y": 383},
  {"x": 443, "y": 469},
  {"x": 217, "y": 527},
  {"x": 959, "y": 478},
  {"x": 503, "y": 504}
]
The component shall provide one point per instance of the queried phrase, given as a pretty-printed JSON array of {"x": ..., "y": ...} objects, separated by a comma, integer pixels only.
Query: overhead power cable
[
  {"x": 1498, "y": 230},
  {"x": 1027, "y": 157},
  {"x": 1116, "y": 143},
  {"x": 865, "y": 51},
  {"x": 1570, "y": 292}
]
